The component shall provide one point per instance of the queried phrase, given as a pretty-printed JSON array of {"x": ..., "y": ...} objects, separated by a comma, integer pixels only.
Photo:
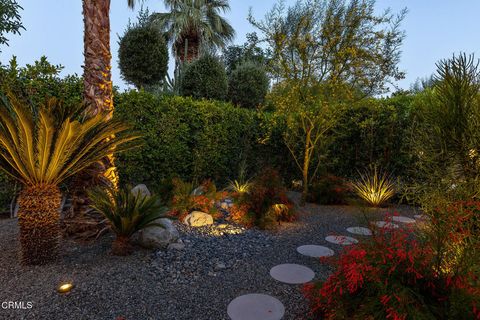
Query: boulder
[
  {"x": 198, "y": 219},
  {"x": 141, "y": 189},
  {"x": 156, "y": 237}
]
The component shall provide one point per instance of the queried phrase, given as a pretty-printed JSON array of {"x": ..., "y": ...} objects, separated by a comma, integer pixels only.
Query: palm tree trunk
[
  {"x": 98, "y": 96},
  {"x": 39, "y": 222}
]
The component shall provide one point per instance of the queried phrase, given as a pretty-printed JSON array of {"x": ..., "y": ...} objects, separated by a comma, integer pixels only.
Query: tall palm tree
[
  {"x": 191, "y": 25},
  {"x": 41, "y": 153},
  {"x": 98, "y": 97}
]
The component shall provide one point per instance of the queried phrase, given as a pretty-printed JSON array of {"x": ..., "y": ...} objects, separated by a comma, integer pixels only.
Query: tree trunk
[
  {"x": 121, "y": 246},
  {"x": 39, "y": 222},
  {"x": 98, "y": 97},
  {"x": 306, "y": 165}
]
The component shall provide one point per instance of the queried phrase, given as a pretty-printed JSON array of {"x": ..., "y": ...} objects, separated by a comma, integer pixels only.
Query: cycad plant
[
  {"x": 127, "y": 213},
  {"x": 41, "y": 153},
  {"x": 374, "y": 186}
]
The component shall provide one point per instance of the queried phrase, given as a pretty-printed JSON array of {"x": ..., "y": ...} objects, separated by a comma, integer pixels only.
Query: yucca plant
[
  {"x": 127, "y": 213},
  {"x": 240, "y": 187},
  {"x": 41, "y": 153},
  {"x": 374, "y": 187}
]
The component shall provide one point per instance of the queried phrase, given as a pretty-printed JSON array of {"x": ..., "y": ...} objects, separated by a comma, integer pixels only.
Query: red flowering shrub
[{"x": 393, "y": 276}]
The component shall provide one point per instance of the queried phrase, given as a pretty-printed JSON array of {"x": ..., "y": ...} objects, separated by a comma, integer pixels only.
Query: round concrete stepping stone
[
  {"x": 343, "y": 240},
  {"x": 403, "y": 219},
  {"x": 315, "y": 251},
  {"x": 292, "y": 273},
  {"x": 255, "y": 306},
  {"x": 385, "y": 224},
  {"x": 360, "y": 230}
]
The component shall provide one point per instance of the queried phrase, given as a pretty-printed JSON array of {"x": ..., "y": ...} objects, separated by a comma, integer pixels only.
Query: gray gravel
[{"x": 195, "y": 283}]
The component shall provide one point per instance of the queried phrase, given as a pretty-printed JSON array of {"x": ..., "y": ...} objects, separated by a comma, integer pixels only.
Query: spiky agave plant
[
  {"x": 127, "y": 213},
  {"x": 41, "y": 153},
  {"x": 374, "y": 186}
]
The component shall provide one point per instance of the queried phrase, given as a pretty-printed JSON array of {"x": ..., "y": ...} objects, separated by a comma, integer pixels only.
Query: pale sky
[{"x": 435, "y": 30}]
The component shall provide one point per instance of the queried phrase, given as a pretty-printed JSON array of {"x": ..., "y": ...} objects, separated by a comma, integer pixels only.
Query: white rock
[
  {"x": 292, "y": 273},
  {"x": 255, "y": 307},
  {"x": 403, "y": 219},
  {"x": 141, "y": 189},
  {"x": 156, "y": 237},
  {"x": 198, "y": 219}
]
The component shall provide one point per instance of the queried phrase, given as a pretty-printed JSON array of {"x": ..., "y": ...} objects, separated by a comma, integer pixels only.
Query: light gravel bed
[{"x": 195, "y": 283}]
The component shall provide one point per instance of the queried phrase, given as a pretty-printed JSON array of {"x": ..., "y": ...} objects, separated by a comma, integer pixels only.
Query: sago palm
[
  {"x": 127, "y": 213},
  {"x": 41, "y": 153},
  {"x": 194, "y": 24}
]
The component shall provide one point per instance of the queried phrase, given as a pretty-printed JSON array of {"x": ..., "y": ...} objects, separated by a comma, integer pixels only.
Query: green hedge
[{"x": 196, "y": 139}]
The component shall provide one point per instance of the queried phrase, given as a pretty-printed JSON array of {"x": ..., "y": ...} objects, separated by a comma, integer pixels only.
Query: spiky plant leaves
[
  {"x": 374, "y": 187},
  {"x": 41, "y": 152},
  {"x": 127, "y": 213}
]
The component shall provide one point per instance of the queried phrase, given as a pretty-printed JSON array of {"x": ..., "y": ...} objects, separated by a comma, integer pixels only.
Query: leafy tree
[
  {"x": 9, "y": 19},
  {"x": 324, "y": 54},
  {"x": 234, "y": 56},
  {"x": 339, "y": 43},
  {"x": 248, "y": 85},
  {"x": 205, "y": 78},
  {"x": 192, "y": 25},
  {"x": 143, "y": 54}
]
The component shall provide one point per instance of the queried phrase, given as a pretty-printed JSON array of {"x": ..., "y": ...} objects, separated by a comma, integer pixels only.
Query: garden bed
[{"x": 197, "y": 282}]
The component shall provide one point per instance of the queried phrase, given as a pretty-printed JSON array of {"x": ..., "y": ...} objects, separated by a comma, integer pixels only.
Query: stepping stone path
[
  {"x": 343, "y": 240},
  {"x": 255, "y": 307},
  {"x": 315, "y": 251},
  {"x": 292, "y": 273},
  {"x": 403, "y": 219},
  {"x": 360, "y": 230},
  {"x": 385, "y": 224}
]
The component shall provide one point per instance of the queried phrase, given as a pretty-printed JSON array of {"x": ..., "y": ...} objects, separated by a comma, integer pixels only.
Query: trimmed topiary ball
[
  {"x": 143, "y": 56},
  {"x": 248, "y": 85},
  {"x": 205, "y": 78}
]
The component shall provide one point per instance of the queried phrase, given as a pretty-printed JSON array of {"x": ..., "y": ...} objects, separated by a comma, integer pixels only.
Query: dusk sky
[{"x": 435, "y": 29}]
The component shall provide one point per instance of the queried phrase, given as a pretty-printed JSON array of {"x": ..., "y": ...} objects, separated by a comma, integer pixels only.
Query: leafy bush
[
  {"x": 143, "y": 56},
  {"x": 187, "y": 198},
  {"x": 373, "y": 131},
  {"x": 126, "y": 212},
  {"x": 7, "y": 192},
  {"x": 39, "y": 82},
  {"x": 329, "y": 189},
  {"x": 267, "y": 204},
  {"x": 194, "y": 140},
  {"x": 205, "y": 78},
  {"x": 393, "y": 276},
  {"x": 248, "y": 85}
]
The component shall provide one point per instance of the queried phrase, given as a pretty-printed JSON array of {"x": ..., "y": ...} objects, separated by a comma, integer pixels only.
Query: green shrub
[
  {"x": 205, "y": 78},
  {"x": 373, "y": 132},
  {"x": 7, "y": 192},
  {"x": 329, "y": 190},
  {"x": 194, "y": 140},
  {"x": 143, "y": 56},
  {"x": 248, "y": 85}
]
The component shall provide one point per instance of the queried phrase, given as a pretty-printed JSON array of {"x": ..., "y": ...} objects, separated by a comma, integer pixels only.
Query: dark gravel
[{"x": 195, "y": 283}]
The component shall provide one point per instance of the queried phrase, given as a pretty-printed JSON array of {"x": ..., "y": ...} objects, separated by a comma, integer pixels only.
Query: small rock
[
  {"x": 157, "y": 237},
  {"x": 198, "y": 219}
]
